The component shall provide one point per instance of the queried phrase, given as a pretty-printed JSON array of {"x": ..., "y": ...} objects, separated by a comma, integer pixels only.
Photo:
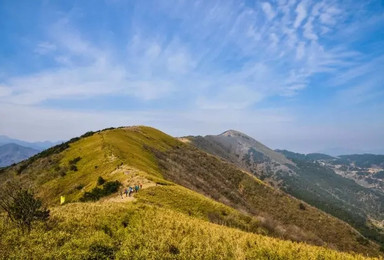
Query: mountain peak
[
  {"x": 243, "y": 142},
  {"x": 234, "y": 133}
]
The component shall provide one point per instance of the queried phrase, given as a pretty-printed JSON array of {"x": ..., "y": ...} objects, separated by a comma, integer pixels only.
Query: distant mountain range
[
  {"x": 337, "y": 151},
  {"x": 366, "y": 170},
  {"x": 35, "y": 145},
  {"x": 14, "y": 153},
  {"x": 319, "y": 179},
  {"x": 14, "y": 150}
]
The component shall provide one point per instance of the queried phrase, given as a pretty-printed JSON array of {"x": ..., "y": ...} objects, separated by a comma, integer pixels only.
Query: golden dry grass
[{"x": 107, "y": 230}]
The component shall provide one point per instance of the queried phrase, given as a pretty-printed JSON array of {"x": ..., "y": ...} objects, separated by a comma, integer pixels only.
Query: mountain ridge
[
  {"x": 132, "y": 154},
  {"x": 305, "y": 179},
  {"x": 42, "y": 145},
  {"x": 13, "y": 153}
]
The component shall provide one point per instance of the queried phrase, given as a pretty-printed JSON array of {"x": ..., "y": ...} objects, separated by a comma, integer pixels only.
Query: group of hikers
[{"x": 128, "y": 191}]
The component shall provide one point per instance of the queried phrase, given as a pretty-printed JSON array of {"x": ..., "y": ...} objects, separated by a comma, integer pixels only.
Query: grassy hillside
[
  {"x": 145, "y": 155},
  {"x": 189, "y": 167},
  {"x": 135, "y": 230},
  {"x": 339, "y": 196},
  {"x": 305, "y": 179}
]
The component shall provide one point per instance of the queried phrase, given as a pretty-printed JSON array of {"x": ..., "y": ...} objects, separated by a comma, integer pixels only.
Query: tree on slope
[{"x": 21, "y": 206}]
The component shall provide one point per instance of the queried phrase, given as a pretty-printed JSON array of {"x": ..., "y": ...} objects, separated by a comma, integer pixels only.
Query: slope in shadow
[{"x": 225, "y": 183}]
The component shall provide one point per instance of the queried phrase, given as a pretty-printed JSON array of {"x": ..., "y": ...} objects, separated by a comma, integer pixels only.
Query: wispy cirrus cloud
[
  {"x": 267, "y": 8},
  {"x": 154, "y": 65},
  {"x": 301, "y": 14}
]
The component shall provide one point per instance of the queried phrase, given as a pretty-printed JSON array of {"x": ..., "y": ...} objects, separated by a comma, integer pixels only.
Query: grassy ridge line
[
  {"x": 140, "y": 231},
  {"x": 103, "y": 153}
]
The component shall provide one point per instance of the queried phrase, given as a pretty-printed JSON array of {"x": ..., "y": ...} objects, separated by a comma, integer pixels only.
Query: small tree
[{"x": 22, "y": 207}]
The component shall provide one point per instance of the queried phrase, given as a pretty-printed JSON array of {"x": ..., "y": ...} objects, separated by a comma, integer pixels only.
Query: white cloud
[
  {"x": 231, "y": 97},
  {"x": 45, "y": 48},
  {"x": 153, "y": 51},
  {"x": 329, "y": 14},
  {"x": 150, "y": 71},
  {"x": 267, "y": 8},
  {"x": 360, "y": 83},
  {"x": 359, "y": 94},
  {"x": 308, "y": 30},
  {"x": 75, "y": 82},
  {"x": 300, "y": 52},
  {"x": 274, "y": 40},
  {"x": 293, "y": 89},
  {"x": 180, "y": 63},
  {"x": 150, "y": 90},
  {"x": 5, "y": 91},
  {"x": 155, "y": 66},
  {"x": 301, "y": 14}
]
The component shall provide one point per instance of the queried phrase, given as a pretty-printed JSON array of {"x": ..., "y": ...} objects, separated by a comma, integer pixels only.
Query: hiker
[
  {"x": 130, "y": 191},
  {"x": 141, "y": 186},
  {"x": 126, "y": 192},
  {"x": 121, "y": 193},
  {"x": 136, "y": 188}
]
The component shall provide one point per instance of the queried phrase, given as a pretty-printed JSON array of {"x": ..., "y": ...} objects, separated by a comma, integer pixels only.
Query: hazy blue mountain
[
  {"x": 337, "y": 151},
  {"x": 366, "y": 170},
  {"x": 307, "y": 157},
  {"x": 35, "y": 145},
  {"x": 14, "y": 153},
  {"x": 363, "y": 160}
]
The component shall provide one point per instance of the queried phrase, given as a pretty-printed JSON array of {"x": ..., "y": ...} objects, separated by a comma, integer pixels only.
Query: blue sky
[{"x": 302, "y": 75}]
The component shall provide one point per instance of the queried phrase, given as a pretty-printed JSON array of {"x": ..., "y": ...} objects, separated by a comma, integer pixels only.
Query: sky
[{"x": 302, "y": 75}]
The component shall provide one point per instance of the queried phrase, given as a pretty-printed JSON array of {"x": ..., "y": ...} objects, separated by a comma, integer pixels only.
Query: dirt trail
[
  {"x": 118, "y": 198},
  {"x": 133, "y": 177}
]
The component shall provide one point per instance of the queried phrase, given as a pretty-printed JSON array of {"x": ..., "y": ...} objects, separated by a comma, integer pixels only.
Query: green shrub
[
  {"x": 100, "y": 181},
  {"x": 90, "y": 133},
  {"x": 97, "y": 251},
  {"x": 79, "y": 187},
  {"x": 111, "y": 187},
  {"x": 96, "y": 193},
  {"x": 22, "y": 167},
  {"x": 93, "y": 195},
  {"x": 75, "y": 160},
  {"x": 174, "y": 250},
  {"x": 107, "y": 230},
  {"x": 302, "y": 206}
]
